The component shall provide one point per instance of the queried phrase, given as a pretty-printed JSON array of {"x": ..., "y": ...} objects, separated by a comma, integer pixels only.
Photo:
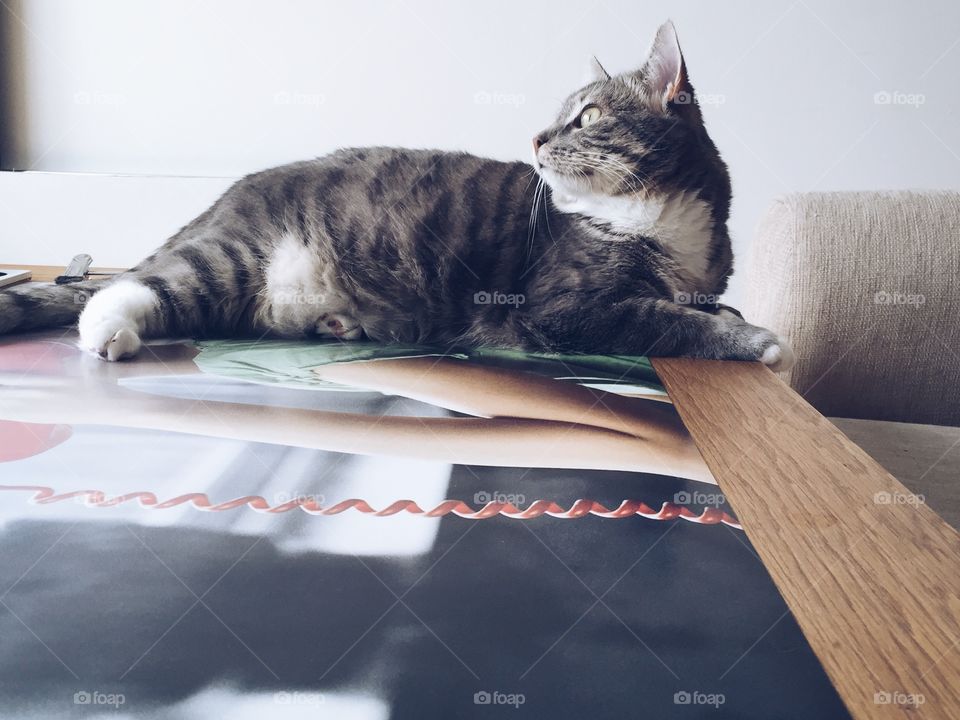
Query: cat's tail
[{"x": 37, "y": 306}]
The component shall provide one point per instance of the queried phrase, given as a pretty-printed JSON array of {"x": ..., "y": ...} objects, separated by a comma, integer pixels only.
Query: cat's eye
[{"x": 589, "y": 116}]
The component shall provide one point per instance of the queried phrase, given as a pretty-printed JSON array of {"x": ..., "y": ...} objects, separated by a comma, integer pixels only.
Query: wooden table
[{"x": 871, "y": 575}]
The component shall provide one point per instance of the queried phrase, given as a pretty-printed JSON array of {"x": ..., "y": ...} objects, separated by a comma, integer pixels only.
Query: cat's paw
[
  {"x": 779, "y": 356},
  {"x": 740, "y": 340},
  {"x": 342, "y": 327},
  {"x": 767, "y": 347},
  {"x": 112, "y": 320},
  {"x": 110, "y": 343}
]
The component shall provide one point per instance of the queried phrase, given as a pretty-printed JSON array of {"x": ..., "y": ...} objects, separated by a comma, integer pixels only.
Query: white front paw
[{"x": 778, "y": 357}]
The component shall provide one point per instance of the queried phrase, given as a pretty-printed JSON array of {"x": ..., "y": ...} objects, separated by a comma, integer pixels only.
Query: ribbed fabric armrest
[{"x": 866, "y": 286}]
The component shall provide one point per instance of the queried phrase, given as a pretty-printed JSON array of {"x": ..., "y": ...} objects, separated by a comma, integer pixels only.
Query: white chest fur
[{"x": 681, "y": 223}]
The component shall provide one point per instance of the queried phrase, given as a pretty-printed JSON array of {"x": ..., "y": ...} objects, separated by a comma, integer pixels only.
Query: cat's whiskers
[
  {"x": 629, "y": 172},
  {"x": 546, "y": 215},
  {"x": 531, "y": 173},
  {"x": 608, "y": 172},
  {"x": 597, "y": 160},
  {"x": 611, "y": 161},
  {"x": 538, "y": 194}
]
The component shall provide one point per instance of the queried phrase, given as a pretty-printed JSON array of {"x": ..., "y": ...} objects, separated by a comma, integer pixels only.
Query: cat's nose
[{"x": 538, "y": 141}]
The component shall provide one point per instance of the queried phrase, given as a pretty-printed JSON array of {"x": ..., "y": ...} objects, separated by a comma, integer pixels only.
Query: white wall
[{"x": 224, "y": 87}]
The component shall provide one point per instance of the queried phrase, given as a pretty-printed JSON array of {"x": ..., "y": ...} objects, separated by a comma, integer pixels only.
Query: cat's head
[{"x": 636, "y": 135}]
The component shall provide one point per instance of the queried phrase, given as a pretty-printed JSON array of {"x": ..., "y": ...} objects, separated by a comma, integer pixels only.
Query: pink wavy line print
[{"x": 43, "y": 495}]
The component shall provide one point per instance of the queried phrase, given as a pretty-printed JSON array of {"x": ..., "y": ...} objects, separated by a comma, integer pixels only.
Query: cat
[{"x": 614, "y": 241}]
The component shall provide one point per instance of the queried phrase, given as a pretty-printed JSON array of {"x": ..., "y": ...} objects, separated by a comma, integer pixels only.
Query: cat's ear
[
  {"x": 597, "y": 72},
  {"x": 663, "y": 76}
]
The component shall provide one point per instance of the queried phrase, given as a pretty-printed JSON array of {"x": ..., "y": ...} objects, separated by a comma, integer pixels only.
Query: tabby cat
[{"x": 615, "y": 241}]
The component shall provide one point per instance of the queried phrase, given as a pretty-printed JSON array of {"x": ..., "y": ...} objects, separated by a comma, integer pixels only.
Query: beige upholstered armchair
[{"x": 866, "y": 287}]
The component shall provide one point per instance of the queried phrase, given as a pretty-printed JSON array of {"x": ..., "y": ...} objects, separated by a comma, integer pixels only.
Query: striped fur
[{"x": 593, "y": 249}]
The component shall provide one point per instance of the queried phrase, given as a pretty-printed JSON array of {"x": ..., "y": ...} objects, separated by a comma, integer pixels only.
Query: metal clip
[{"x": 76, "y": 270}]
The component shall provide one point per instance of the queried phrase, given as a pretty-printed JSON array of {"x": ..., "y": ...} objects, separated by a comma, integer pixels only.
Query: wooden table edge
[
  {"x": 870, "y": 573},
  {"x": 48, "y": 273}
]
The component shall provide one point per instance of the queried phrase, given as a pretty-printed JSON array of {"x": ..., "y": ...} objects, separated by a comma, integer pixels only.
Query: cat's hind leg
[{"x": 114, "y": 320}]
